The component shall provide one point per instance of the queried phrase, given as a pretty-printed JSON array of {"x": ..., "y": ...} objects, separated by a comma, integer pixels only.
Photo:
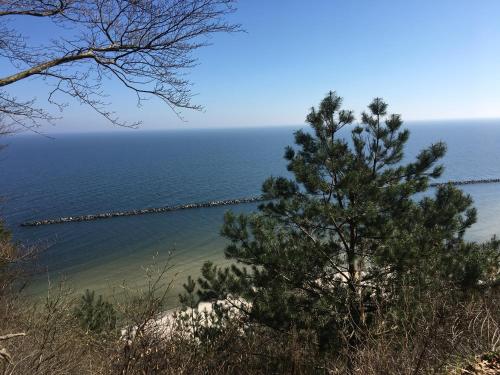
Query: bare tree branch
[{"x": 145, "y": 45}]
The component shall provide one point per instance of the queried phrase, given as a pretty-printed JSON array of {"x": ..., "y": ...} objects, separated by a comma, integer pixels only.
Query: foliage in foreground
[
  {"x": 447, "y": 335},
  {"x": 352, "y": 267},
  {"x": 95, "y": 315},
  {"x": 355, "y": 232},
  {"x": 442, "y": 332}
]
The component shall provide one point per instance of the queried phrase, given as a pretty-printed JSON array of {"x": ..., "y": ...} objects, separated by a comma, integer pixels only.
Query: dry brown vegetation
[{"x": 443, "y": 334}]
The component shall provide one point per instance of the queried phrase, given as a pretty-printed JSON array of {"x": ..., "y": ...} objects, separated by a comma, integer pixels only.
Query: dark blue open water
[{"x": 92, "y": 173}]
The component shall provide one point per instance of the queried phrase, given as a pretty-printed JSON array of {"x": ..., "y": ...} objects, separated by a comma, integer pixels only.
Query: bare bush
[
  {"x": 52, "y": 341},
  {"x": 441, "y": 337},
  {"x": 440, "y": 332}
]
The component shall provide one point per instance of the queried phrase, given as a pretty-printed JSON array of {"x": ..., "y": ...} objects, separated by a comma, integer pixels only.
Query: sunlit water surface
[{"x": 92, "y": 173}]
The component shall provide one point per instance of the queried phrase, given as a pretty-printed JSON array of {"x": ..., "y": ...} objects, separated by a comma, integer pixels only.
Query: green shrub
[{"x": 95, "y": 315}]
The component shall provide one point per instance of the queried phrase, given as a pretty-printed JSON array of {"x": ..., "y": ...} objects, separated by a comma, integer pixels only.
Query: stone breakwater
[
  {"x": 468, "y": 182},
  {"x": 152, "y": 210},
  {"x": 227, "y": 202}
]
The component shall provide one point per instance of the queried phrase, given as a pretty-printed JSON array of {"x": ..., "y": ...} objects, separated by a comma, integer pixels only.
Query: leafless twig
[{"x": 145, "y": 45}]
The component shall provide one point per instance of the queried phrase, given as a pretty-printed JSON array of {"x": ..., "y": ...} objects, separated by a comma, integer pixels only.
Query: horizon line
[{"x": 123, "y": 130}]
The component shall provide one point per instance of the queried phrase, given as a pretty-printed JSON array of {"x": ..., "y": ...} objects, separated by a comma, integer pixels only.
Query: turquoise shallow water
[{"x": 92, "y": 173}]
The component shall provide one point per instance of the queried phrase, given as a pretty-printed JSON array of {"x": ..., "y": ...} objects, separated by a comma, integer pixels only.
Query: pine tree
[
  {"x": 95, "y": 315},
  {"x": 350, "y": 228}
]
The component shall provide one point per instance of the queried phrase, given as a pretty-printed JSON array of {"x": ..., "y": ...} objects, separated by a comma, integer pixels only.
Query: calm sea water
[{"x": 92, "y": 173}]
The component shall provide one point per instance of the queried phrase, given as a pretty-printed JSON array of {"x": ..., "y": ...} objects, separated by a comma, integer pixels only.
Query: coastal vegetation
[
  {"x": 350, "y": 231},
  {"x": 352, "y": 265}
]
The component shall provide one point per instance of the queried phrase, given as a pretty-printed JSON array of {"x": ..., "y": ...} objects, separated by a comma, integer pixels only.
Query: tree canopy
[{"x": 352, "y": 228}]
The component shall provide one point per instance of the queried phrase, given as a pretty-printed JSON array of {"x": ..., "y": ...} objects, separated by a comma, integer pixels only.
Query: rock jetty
[
  {"x": 108, "y": 215},
  {"x": 467, "y": 182},
  {"x": 227, "y": 202}
]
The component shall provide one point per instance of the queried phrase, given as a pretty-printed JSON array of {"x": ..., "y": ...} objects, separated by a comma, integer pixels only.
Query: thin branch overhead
[{"x": 145, "y": 45}]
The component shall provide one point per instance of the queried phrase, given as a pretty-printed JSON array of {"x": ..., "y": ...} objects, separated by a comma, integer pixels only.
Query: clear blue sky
[{"x": 430, "y": 59}]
